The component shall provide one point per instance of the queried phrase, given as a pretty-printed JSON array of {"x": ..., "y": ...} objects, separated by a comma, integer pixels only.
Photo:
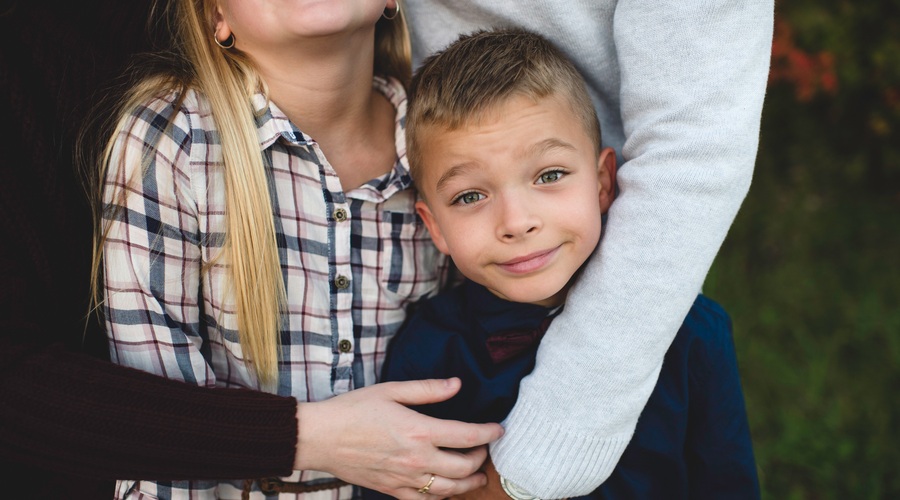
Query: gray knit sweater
[{"x": 679, "y": 88}]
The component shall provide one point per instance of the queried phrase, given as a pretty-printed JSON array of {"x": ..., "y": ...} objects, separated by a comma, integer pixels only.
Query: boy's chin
[{"x": 545, "y": 297}]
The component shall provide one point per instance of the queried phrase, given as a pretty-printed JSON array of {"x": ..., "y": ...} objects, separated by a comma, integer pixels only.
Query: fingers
[
  {"x": 456, "y": 464},
  {"x": 447, "y": 433},
  {"x": 462, "y": 435},
  {"x": 442, "y": 487},
  {"x": 396, "y": 451},
  {"x": 422, "y": 392}
]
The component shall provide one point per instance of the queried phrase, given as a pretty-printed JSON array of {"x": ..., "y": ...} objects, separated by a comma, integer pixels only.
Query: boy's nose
[{"x": 518, "y": 218}]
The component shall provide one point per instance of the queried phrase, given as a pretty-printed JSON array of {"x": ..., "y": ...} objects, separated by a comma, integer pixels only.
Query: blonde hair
[
  {"x": 481, "y": 70},
  {"x": 228, "y": 79}
]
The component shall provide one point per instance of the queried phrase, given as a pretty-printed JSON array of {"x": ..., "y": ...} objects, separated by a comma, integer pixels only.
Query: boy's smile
[{"x": 515, "y": 198}]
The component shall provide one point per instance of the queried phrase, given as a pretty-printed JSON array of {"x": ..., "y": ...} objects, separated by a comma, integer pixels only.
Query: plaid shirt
[{"x": 351, "y": 261}]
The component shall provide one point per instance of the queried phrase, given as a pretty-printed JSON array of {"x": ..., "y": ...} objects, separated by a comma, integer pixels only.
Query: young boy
[{"x": 504, "y": 147}]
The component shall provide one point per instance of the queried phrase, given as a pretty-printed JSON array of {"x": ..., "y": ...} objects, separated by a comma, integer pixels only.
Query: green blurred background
[{"x": 810, "y": 271}]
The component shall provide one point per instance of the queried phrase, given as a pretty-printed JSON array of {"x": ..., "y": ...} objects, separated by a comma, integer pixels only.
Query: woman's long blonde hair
[{"x": 228, "y": 79}]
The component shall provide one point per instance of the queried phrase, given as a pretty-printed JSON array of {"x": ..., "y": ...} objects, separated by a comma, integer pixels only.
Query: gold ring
[{"x": 424, "y": 489}]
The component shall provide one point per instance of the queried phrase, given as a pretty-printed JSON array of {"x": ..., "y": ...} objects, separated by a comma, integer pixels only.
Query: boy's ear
[
  {"x": 606, "y": 170},
  {"x": 436, "y": 236}
]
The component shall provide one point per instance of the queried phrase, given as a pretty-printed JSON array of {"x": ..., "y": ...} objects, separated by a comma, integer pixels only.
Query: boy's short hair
[{"x": 484, "y": 69}]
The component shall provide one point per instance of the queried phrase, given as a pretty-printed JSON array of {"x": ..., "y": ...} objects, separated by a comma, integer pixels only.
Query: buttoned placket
[{"x": 340, "y": 274}]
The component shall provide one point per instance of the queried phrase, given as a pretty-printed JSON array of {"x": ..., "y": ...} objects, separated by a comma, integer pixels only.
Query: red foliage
[
  {"x": 809, "y": 73},
  {"x": 892, "y": 99}
]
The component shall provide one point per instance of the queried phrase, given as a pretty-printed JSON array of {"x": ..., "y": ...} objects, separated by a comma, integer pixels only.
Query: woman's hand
[{"x": 370, "y": 438}]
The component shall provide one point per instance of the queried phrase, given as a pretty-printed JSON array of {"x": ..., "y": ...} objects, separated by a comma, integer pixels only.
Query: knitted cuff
[{"x": 552, "y": 461}]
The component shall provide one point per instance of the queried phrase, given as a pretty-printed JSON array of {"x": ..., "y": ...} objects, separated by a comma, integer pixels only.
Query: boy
[{"x": 504, "y": 146}]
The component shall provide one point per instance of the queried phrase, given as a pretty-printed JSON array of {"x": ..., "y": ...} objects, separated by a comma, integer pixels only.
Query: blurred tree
[{"x": 835, "y": 88}]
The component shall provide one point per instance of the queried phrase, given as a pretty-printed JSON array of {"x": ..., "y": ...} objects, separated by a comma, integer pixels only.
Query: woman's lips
[{"x": 528, "y": 263}]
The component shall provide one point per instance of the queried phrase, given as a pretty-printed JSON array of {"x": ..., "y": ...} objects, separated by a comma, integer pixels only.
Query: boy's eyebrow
[
  {"x": 549, "y": 144},
  {"x": 453, "y": 172}
]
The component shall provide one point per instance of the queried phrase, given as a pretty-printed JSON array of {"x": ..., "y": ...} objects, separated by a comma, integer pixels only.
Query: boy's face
[{"x": 516, "y": 198}]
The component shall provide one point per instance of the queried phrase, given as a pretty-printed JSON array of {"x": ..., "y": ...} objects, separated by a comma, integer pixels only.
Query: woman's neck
[{"x": 325, "y": 88}]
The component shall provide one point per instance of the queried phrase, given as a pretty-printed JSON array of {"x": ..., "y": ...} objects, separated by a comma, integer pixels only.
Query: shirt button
[
  {"x": 345, "y": 345},
  {"x": 340, "y": 215},
  {"x": 342, "y": 282}
]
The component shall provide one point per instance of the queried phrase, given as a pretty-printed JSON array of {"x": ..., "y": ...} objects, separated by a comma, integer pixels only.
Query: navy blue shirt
[{"x": 692, "y": 439}]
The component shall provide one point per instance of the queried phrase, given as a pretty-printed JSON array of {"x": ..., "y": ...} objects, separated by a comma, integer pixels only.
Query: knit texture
[
  {"x": 679, "y": 88},
  {"x": 70, "y": 421}
]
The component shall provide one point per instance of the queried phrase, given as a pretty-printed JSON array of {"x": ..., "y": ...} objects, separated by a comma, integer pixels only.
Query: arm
[
  {"x": 692, "y": 79},
  {"x": 75, "y": 414},
  {"x": 151, "y": 251}
]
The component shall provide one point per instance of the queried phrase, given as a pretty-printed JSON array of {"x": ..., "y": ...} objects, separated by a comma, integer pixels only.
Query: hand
[
  {"x": 490, "y": 491},
  {"x": 370, "y": 438}
]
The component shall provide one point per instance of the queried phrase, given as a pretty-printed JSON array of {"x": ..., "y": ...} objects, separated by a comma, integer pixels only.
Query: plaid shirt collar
[{"x": 273, "y": 125}]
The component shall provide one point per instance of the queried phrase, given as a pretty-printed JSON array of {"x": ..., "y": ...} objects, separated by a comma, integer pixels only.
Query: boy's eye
[
  {"x": 467, "y": 198},
  {"x": 551, "y": 176}
]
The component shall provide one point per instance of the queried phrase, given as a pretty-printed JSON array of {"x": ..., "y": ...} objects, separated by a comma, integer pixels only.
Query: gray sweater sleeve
[
  {"x": 693, "y": 78},
  {"x": 679, "y": 86},
  {"x": 692, "y": 83}
]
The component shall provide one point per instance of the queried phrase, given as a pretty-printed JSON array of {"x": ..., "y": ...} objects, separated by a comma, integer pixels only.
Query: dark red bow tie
[{"x": 509, "y": 344}]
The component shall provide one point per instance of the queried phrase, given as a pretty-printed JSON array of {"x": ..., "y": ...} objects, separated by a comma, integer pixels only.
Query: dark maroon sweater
[{"x": 70, "y": 421}]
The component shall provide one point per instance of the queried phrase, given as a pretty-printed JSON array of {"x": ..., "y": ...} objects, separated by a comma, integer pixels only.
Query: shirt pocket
[{"x": 410, "y": 264}]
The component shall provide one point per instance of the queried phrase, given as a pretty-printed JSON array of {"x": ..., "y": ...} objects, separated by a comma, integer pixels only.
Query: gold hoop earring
[
  {"x": 227, "y": 44},
  {"x": 393, "y": 14}
]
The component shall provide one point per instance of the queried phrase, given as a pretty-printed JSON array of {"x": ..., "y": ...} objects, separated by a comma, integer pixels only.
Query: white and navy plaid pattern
[{"x": 167, "y": 303}]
